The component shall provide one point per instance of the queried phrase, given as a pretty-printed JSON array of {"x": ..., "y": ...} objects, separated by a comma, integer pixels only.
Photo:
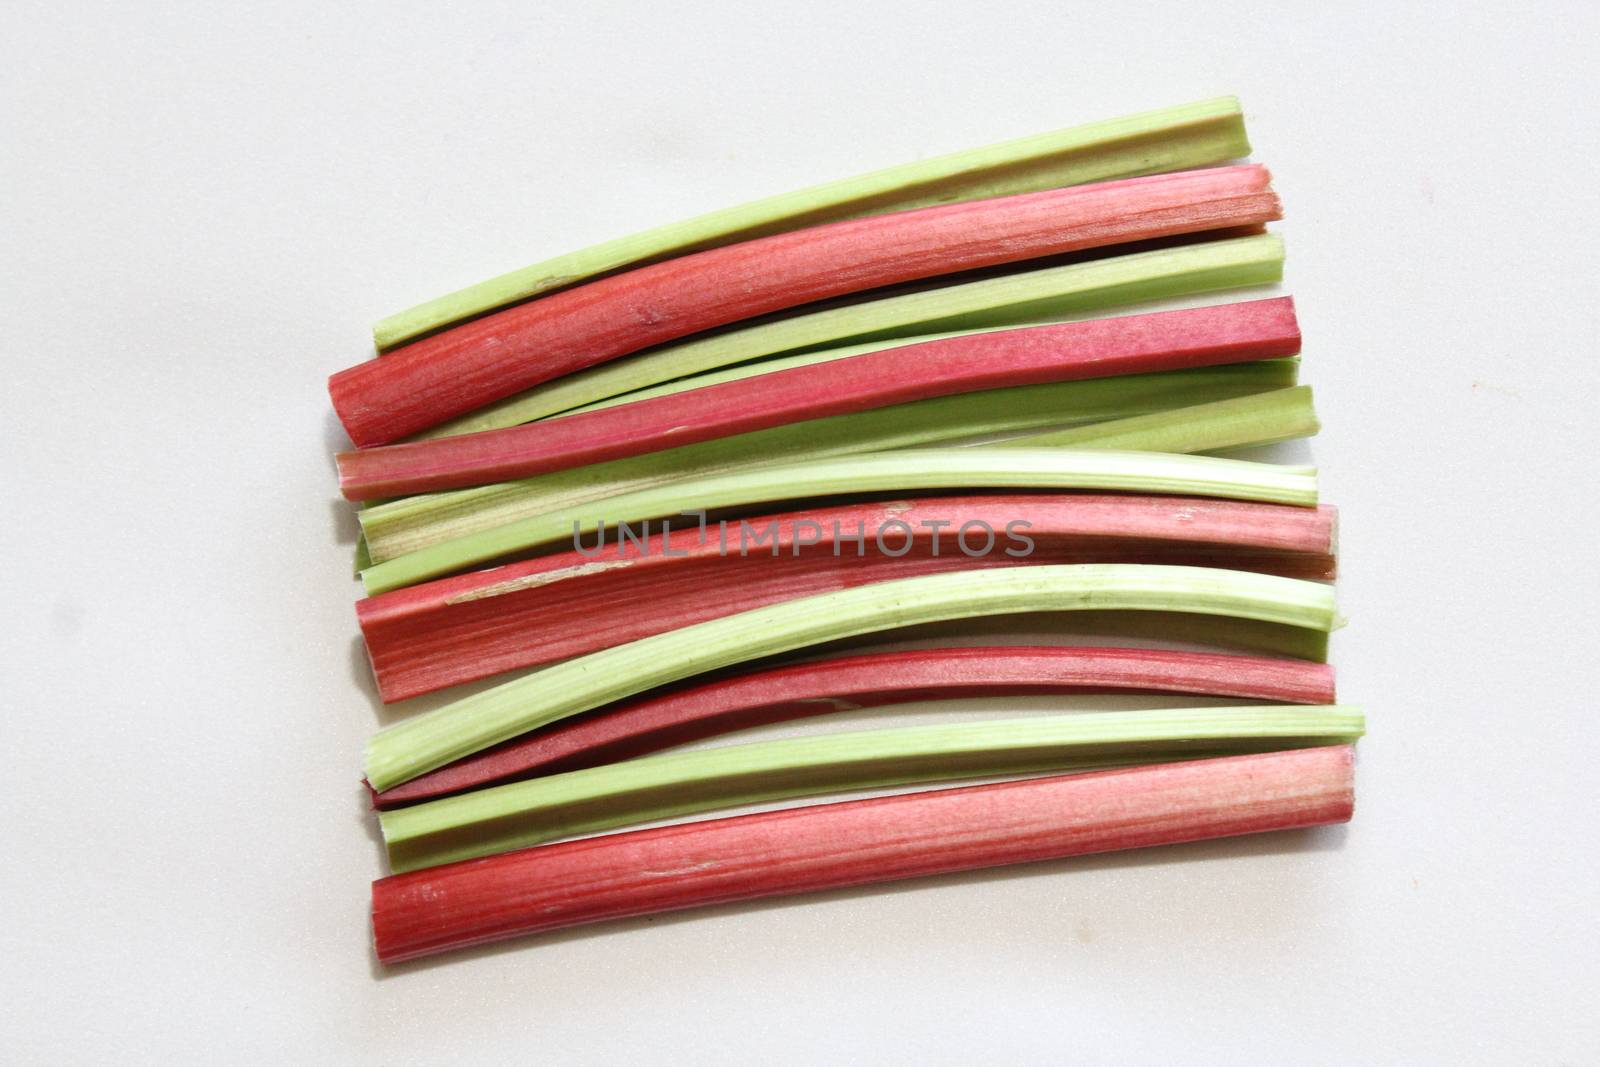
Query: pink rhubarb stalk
[
  {"x": 1098, "y": 348},
  {"x": 487, "y": 359},
  {"x": 470, "y": 626},
  {"x": 828, "y": 846},
  {"x": 707, "y": 709}
]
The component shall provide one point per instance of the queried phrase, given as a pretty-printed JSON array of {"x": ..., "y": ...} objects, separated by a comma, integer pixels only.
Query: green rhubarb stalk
[
  {"x": 1259, "y": 419},
  {"x": 909, "y": 470},
  {"x": 403, "y": 751},
  {"x": 414, "y": 523},
  {"x": 1179, "y": 138},
  {"x": 1169, "y": 629},
  {"x": 1032, "y": 296},
  {"x": 672, "y": 784}
]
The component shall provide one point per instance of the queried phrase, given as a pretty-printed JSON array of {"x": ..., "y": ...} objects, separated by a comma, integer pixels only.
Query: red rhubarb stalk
[
  {"x": 828, "y": 846},
  {"x": 708, "y": 709},
  {"x": 478, "y": 362},
  {"x": 458, "y": 629},
  {"x": 1098, "y": 348}
]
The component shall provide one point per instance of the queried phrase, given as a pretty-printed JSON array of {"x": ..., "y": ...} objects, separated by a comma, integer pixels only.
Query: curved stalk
[
  {"x": 1030, "y": 355},
  {"x": 1192, "y": 135},
  {"x": 826, "y": 846},
  {"x": 1068, "y": 291},
  {"x": 521, "y": 814},
  {"x": 406, "y": 525},
  {"x": 913, "y": 469},
  {"x": 416, "y": 746},
  {"x": 551, "y": 607},
  {"x": 679, "y": 715},
  {"x": 476, "y": 363}
]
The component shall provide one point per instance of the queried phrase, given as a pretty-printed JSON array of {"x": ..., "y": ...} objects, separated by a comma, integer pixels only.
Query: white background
[{"x": 205, "y": 209}]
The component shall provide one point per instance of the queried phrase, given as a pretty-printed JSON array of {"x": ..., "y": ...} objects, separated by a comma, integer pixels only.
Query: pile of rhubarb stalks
[{"x": 674, "y": 486}]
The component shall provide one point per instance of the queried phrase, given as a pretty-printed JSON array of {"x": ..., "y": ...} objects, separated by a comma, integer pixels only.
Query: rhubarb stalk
[
  {"x": 829, "y": 846},
  {"x": 536, "y": 611},
  {"x": 1193, "y": 135},
  {"x": 394, "y": 528},
  {"x": 1173, "y": 340},
  {"x": 915, "y": 469},
  {"x": 1026, "y": 296},
  {"x": 671, "y": 784},
  {"x": 478, "y": 362},
  {"x": 681, "y": 715},
  {"x": 407, "y": 749},
  {"x": 1258, "y": 419}
]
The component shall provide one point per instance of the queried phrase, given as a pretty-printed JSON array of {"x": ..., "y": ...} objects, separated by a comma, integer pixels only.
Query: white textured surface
[{"x": 205, "y": 209}]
